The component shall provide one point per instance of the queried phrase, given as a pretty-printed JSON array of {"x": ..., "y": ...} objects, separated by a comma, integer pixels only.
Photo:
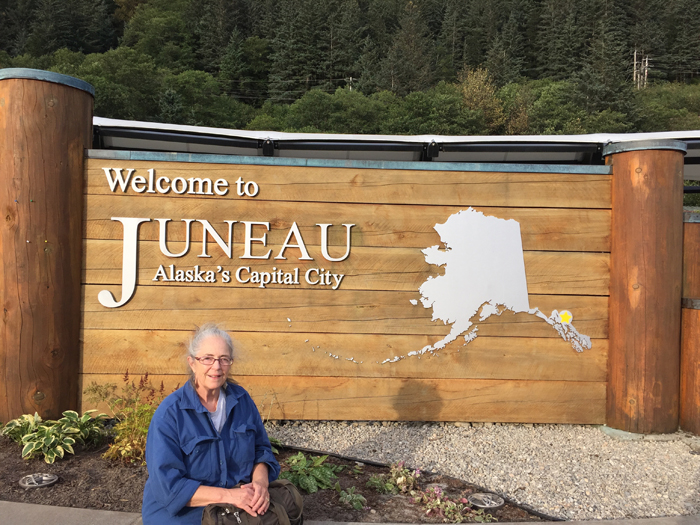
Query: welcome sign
[
  {"x": 360, "y": 290},
  {"x": 243, "y": 274},
  {"x": 344, "y": 284}
]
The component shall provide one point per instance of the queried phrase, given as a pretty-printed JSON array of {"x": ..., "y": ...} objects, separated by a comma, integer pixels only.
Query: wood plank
[
  {"x": 412, "y": 399},
  {"x": 161, "y": 352},
  {"x": 564, "y": 273},
  {"x": 305, "y": 184},
  {"x": 339, "y": 311},
  {"x": 376, "y": 225}
]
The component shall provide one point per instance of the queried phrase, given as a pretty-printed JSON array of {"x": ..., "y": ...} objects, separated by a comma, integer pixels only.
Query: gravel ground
[{"x": 569, "y": 471}]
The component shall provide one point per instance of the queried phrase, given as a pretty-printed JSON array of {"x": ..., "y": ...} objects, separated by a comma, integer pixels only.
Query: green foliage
[
  {"x": 274, "y": 442},
  {"x": 52, "y": 439},
  {"x": 90, "y": 428},
  {"x": 16, "y": 429},
  {"x": 451, "y": 510},
  {"x": 133, "y": 409},
  {"x": 378, "y": 483},
  {"x": 356, "y": 500},
  {"x": 372, "y": 66},
  {"x": 669, "y": 106},
  {"x": 49, "y": 440},
  {"x": 400, "y": 480},
  {"x": 160, "y": 30},
  {"x": 309, "y": 474}
]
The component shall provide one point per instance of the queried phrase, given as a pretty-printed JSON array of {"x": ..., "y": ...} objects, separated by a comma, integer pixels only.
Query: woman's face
[{"x": 210, "y": 376}]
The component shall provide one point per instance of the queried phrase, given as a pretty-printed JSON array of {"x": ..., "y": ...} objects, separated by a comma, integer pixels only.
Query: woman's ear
[{"x": 191, "y": 362}]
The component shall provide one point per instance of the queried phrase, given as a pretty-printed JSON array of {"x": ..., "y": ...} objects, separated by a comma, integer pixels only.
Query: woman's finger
[{"x": 264, "y": 498}]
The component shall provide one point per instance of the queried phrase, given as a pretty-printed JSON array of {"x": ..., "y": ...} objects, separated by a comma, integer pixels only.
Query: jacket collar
[{"x": 190, "y": 399}]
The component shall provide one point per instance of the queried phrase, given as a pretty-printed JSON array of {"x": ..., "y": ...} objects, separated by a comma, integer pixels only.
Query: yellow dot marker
[{"x": 565, "y": 316}]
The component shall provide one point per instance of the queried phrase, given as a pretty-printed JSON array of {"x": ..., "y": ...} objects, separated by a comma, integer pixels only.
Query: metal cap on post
[
  {"x": 645, "y": 285},
  {"x": 45, "y": 127}
]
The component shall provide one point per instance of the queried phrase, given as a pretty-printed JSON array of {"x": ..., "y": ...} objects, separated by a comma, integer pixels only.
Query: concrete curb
[{"x": 32, "y": 514}]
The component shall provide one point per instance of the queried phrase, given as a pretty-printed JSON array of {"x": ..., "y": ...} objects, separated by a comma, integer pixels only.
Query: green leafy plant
[
  {"x": 90, "y": 429},
  {"x": 437, "y": 503},
  {"x": 356, "y": 500},
  {"x": 400, "y": 480},
  {"x": 274, "y": 443},
  {"x": 52, "y": 440},
  {"x": 16, "y": 429},
  {"x": 133, "y": 410},
  {"x": 378, "y": 483},
  {"x": 309, "y": 474}
]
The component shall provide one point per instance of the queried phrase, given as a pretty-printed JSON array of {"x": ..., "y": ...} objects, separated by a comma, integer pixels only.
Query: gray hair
[{"x": 204, "y": 332}]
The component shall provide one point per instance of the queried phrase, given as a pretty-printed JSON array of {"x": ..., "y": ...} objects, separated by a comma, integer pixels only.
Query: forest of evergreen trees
[{"x": 453, "y": 67}]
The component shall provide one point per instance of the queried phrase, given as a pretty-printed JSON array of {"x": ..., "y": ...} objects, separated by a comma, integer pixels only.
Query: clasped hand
[{"x": 253, "y": 498}]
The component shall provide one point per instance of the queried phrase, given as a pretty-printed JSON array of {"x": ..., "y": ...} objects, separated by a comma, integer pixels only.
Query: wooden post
[
  {"x": 45, "y": 126},
  {"x": 690, "y": 328},
  {"x": 645, "y": 285}
]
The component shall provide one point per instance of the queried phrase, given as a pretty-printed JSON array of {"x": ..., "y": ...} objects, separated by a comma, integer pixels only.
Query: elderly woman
[{"x": 205, "y": 439}]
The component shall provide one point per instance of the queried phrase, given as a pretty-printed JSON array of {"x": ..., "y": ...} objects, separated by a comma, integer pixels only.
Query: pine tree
[
  {"x": 342, "y": 42},
  {"x": 604, "y": 81},
  {"x": 51, "y": 29},
  {"x": 214, "y": 27},
  {"x": 296, "y": 59},
  {"x": 408, "y": 65},
  {"x": 449, "y": 58},
  {"x": 683, "y": 59},
  {"x": 16, "y": 17},
  {"x": 562, "y": 38},
  {"x": 505, "y": 58}
]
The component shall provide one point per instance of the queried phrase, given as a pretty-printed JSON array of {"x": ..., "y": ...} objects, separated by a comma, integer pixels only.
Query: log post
[
  {"x": 645, "y": 285},
  {"x": 45, "y": 127},
  {"x": 690, "y": 328}
]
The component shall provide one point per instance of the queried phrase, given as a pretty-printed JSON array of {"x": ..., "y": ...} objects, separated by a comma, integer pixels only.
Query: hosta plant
[
  {"x": 50, "y": 440},
  {"x": 16, "y": 429},
  {"x": 90, "y": 429},
  {"x": 310, "y": 474}
]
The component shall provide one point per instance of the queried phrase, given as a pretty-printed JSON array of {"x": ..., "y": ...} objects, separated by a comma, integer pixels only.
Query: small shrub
[
  {"x": 356, "y": 500},
  {"x": 16, "y": 429},
  {"x": 310, "y": 474},
  {"x": 133, "y": 410}
]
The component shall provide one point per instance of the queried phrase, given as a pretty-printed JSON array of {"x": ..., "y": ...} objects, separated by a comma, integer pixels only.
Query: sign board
[{"x": 355, "y": 292}]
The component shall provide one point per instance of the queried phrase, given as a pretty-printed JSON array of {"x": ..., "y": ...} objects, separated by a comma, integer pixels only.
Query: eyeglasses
[{"x": 209, "y": 360}]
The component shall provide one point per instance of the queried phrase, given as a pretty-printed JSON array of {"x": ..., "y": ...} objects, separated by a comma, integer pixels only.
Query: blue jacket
[{"x": 184, "y": 451}]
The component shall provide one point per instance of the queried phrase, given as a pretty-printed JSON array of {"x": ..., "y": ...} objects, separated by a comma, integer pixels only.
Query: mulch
[{"x": 87, "y": 480}]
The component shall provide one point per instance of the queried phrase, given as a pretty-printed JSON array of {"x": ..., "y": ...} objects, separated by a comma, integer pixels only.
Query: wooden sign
[
  {"x": 323, "y": 276},
  {"x": 353, "y": 289}
]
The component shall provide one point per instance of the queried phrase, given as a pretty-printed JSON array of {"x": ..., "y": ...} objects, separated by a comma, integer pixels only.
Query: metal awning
[{"x": 535, "y": 149}]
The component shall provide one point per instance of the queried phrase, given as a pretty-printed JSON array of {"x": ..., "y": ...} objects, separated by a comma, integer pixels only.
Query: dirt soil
[{"x": 86, "y": 480}]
